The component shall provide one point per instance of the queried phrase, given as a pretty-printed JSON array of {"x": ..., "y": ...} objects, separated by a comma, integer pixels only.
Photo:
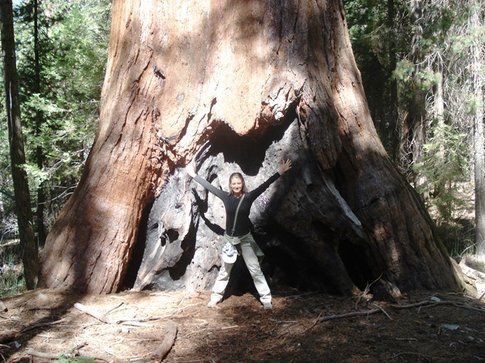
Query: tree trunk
[
  {"x": 394, "y": 128},
  {"x": 17, "y": 155},
  {"x": 478, "y": 138},
  {"x": 254, "y": 82},
  {"x": 39, "y": 154},
  {"x": 413, "y": 135}
]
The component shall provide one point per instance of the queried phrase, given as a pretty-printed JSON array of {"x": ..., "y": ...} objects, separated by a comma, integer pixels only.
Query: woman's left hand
[
  {"x": 284, "y": 166},
  {"x": 190, "y": 169}
]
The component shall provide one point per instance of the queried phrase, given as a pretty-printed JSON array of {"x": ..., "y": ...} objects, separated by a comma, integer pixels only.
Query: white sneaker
[
  {"x": 267, "y": 305},
  {"x": 213, "y": 302}
]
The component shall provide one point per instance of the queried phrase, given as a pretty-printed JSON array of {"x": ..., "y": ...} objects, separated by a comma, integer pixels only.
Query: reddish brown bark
[{"x": 258, "y": 81}]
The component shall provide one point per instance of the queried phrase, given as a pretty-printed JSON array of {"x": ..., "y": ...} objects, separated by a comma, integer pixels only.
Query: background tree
[
  {"x": 476, "y": 70},
  {"x": 72, "y": 37},
  {"x": 434, "y": 93},
  {"x": 39, "y": 153},
  {"x": 17, "y": 154},
  {"x": 257, "y": 81}
]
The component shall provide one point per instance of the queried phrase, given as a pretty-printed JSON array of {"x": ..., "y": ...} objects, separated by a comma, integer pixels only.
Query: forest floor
[{"x": 46, "y": 325}]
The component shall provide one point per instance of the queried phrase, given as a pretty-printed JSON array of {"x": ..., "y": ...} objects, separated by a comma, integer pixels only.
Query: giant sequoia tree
[{"x": 242, "y": 84}]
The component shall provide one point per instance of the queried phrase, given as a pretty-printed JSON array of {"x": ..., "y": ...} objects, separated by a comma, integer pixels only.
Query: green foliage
[
  {"x": 404, "y": 70},
  {"x": 444, "y": 163},
  {"x": 68, "y": 358},
  {"x": 72, "y": 74},
  {"x": 11, "y": 277},
  {"x": 433, "y": 41},
  {"x": 73, "y": 40}
]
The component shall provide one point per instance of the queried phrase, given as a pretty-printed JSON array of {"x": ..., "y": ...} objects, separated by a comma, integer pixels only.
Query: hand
[
  {"x": 190, "y": 169},
  {"x": 284, "y": 166}
]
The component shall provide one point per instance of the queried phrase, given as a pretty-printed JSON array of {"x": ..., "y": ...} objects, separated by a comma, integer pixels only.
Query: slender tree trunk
[
  {"x": 17, "y": 154},
  {"x": 254, "y": 82},
  {"x": 414, "y": 128},
  {"x": 395, "y": 127},
  {"x": 439, "y": 117},
  {"x": 478, "y": 138},
  {"x": 41, "y": 231}
]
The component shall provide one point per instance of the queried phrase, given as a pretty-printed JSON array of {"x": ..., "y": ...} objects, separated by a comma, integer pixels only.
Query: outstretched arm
[
  {"x": 283, "y": 168},
  {"x": 259, "y": 190},
  {"x": 216, "y": 191}
]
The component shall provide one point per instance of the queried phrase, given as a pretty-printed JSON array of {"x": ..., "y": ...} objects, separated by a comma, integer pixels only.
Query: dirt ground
[{"x": 44, "y": 326}]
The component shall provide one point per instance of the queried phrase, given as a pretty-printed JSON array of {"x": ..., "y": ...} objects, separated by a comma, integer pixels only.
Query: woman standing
[{"x": 238, "y": 237}]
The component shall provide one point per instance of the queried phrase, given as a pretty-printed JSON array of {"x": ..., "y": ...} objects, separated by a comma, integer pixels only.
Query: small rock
[{"x": 451, "y": 327}]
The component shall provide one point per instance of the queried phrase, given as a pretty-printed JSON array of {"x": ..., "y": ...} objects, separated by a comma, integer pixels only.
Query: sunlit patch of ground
[{"x": 134, "y": 326}]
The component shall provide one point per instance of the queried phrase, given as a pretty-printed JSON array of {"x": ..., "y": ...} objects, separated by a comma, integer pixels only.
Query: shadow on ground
[{"x": 240, "y": 330}]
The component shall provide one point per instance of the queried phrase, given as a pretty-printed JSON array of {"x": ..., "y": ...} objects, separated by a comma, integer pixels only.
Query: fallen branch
[
  {"x": 428, "y": 303},
  {"x": 135, "y": 323},
  {"x": 427, "y": 357},
  {"x": 71, "y": 354},
  {"x": 114, "y": 308},
  {"x": 121, "y": 321},
  {"x": 317, "y": 320},
  {"x": 229, "y": 327},
  {"x": 179, "y": 310},
  {"x": 43, "y": 355},
  {"x": 95, "y": 314},
  {"x": 103, "y": 317},
  {"x": 74, "y": 350},
  {"x": 348, "y": 315},
  {"x": 284, "y": 321},
  {"x": 382, "y": 309},
  {"x": 41, "y": 325},
  {"x": 165, "y": 346},
  {"x": 167, "y": 342}
]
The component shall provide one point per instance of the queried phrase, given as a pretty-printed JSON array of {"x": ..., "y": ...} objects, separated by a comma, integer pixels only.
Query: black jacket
[{"x": 231, "y": 202}]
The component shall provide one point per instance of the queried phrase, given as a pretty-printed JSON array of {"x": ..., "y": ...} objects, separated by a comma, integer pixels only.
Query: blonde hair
[{"x": 237, "y": 175}]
